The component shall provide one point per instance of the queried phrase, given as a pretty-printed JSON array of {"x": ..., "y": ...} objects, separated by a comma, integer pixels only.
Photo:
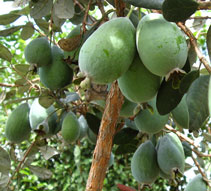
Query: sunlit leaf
[
  {"x": 22, "y": 69},
  {"x": 27, "y": 31},
  {"x": 8, "y": 18},
  {"x": 48, "y": 152},
  {"x": 41, "y": 172},
  {"x": 5, "y": 53},
  {"x": 64, "y": 9},
  {"x": 10, "y": 31}
]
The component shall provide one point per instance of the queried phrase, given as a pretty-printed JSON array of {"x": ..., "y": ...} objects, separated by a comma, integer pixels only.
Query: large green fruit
[
  {"x": 38, "y": 115},
  {"x": 138, "y": 84},
  {"x": 127, "y": 109},
  {"x": 18, "y": 126},
  {"x": 38, "y": 52},
  {"x": 144, "y": 165},
  {"x": 109, "y": 51},
  {"x": 58, "y": 74},
  {"x": 70, "y": 128},
  {"x": 151, "y": 122},
  {"x": 196, "y": 184},
  {"x": 170, "y": 154},
  {"x": 75, "y": 53},
  {"x": 161, "y": 45},
  {"x": 181, "y": 115}
]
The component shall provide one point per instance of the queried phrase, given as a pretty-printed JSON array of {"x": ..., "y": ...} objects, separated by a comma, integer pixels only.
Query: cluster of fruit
[{"x": 25, "y": 118}]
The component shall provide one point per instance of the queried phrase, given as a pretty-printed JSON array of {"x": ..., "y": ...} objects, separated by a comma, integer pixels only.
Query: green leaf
[
  {"x": 168, "y": 97},
  {"x": 148, "y": 4},
  {"x": 209, "y": 42},
  {"x": 23, "y": 89},
  {"x": 4, "y": 179},
  {"x": 64, "y": 9},
  {"x": 197, "y": 101},
  {"x": 5, "y": 53},
  {"x": 187, "y": 80},
  {"x": 8, "y": 18},
  {"x": 48, "y": 151},
  {"x": 22, "y": 69},
  {"x": 125, "y": 136},
  {"x": 9, "y": 31},
  {"x": 44, "y": 25},
  {"x": 178, "y": 10},
  {"x": 2, "y": 96},
  {"x": 5, "y": 163},
  {"x": 207, "y": 137},
  {"x": 204, "y": 71},
  {"x": 41, "y": 172},
  {"x": 41, "y": 9},
  {"x": 27, "y": 31},
  {"x": 93, "y": 122},
  {"x": 126, "y": 148}
]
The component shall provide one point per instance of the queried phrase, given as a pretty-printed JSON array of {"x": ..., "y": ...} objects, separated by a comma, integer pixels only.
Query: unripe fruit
[
  {"x": 58, "y": 74},
  {"x": 196, "y": 184},
  {"x": 17, "y": 126},
  {"x": 38, "y": 52},
  {"x": 170, "y": 154},
  {"x": 138, "y": 84},
  {"x": 70, "y": 128},
  {"x": 109, "y": 51},
  {"x": 144, "y": 165},
  {"x": 151, "y": 122},
  {"x": 161, "y": 45}
]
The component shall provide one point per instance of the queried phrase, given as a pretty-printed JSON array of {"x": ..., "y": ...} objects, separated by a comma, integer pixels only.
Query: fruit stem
[{"x": 130, "y": 12}]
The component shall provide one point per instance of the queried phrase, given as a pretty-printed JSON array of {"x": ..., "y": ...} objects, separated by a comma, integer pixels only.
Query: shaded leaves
[
  {"x": 5, "y": 163},
  {"x": 5, "y": 53}
]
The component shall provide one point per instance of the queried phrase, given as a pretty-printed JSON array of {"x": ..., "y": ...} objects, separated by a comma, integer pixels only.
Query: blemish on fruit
[{"x": 106, "y": 52}]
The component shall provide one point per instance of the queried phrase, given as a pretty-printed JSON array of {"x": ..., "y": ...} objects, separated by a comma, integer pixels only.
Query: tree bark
[{"x": 104, "y": 143}]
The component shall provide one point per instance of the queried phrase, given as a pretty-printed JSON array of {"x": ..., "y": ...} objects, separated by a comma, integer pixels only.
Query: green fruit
[
  {"x": 70, "y": 128},
  {"x": 39, "y": 115},
  {"x": 18, "y": 127},
  {"x": 58, "y": 74},
  {"x": 83, "y": 126},
  {"x": 138, "y": 84},
  {"x": 161, "y": 45},
  {"x": 181, "y": 115},
  {"x": 196, "y": 184},
  {"x": 144, "y": 165},
  {"x": 127, "y": 108},
  {"x": 75, "y": 53},
  {"x": 170, "y": 154},
  {"x": 38, "y": 52},
  {"x": 187, "y": 149},
  {"x": 109, "y": 51},
  {"x": 150, "y": 122}
]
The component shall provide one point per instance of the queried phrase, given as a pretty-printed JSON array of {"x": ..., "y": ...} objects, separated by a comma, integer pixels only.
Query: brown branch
[
  {"x": 181, "y": 136},
  {"x": 104, "y": 143},
  {"x": 193, "y": 41},
  {"x": 204, "y": 5},
  {"x": 200, "y": 170},
  {"x": 120, "y": 6},
  {"x": 9, "y": 85},
  {"x": 85, "y": 16},
  {"x": 21, "y": 162},
  {"x": 207, "y": 17},
  {"x": 200, "y": 154},
  {"x": 101, "y": 7}
]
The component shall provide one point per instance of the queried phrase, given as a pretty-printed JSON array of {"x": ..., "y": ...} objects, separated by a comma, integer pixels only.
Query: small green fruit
[
  {"x": 161, "y": 45},
  {"x": 70, "y": 128},
  {"x": 170, "y": 154},
  {"x": 38, "y": 52},
  {"x": 127, "y": 109},
  {"x": 39, "y": 114},
  {"x": 84, "y": 126},
  {"x": 18, "y": 126},
  {"x": 109, "y": 51},
  {"x": 151, "y": 122},
  {"x": 144, "y": 165},
  {"x": 138, "y": 84},
  {"x": 58, "y": 74},
  {"x": 196, "y": 184}
]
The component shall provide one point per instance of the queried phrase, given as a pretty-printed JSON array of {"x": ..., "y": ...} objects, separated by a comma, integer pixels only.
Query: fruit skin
[
  {"x": 38, "y": 114},
  {"x": 196, "y": 184},
  {"x": 58, "y": 74},
  {"x": 109, "y": 51},
  {"x": 18, "y": 127},
  {"x": 70, "y": 128},
  {"x": 150, "y": 123},
  {"x": 138, "y": 84},
  {"x": 127, "y": 108},
  {"x": 161, "y": 45},
  {"x": 38, "y": 51},
  {"x": 144, "y": 165},
  {"x": 170, "y": 154},
  {"x": 180, "y": 114},
  {"x": 75, "y": 53}
]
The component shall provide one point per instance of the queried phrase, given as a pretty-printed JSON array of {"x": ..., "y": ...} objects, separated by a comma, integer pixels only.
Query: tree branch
[
  {"x": 85, "y": 16},
  {"x": 104, "y": 143},
  {"x": 204, "y": 5},
  {"x": 193, "y": 41}
]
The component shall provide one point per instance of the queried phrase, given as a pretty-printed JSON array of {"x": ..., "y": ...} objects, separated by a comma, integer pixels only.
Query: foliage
[{"x": 46, "y": 161}]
